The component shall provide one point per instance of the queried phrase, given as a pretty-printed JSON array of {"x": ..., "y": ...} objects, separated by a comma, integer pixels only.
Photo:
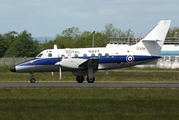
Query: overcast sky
[{"x": 47, "y": 18}]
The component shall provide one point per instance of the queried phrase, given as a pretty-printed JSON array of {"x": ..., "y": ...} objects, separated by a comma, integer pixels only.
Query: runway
[{"x": 90, "y": 85}]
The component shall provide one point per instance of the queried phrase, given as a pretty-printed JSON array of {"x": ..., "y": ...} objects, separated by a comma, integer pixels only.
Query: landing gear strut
[
  {"x": 32, "y": 79},
  {"x": 90, "y": 78}
]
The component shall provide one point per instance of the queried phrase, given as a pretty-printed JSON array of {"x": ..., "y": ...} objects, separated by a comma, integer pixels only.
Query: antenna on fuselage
[{"x": 55, "y": 46}]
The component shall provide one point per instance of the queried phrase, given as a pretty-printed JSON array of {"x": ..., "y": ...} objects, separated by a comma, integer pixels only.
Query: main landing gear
[
  {"x": 80, "y": 79},
  {"x": 32, "y": 79}
]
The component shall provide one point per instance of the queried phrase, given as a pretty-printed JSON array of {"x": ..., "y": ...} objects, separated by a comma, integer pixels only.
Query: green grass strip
[{"x": 89, "y": 103}]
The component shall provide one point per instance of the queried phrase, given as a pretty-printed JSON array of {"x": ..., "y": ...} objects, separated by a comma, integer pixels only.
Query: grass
[
  {"x": 90, "y": 103},
  {"x": 127, "y": 74}
]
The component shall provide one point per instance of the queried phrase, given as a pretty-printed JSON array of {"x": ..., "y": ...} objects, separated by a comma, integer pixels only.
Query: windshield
[{"x": 39, "y": 55}]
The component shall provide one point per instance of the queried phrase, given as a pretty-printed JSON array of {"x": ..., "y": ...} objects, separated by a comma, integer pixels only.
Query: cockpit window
[{"x": 39, "y": 55}]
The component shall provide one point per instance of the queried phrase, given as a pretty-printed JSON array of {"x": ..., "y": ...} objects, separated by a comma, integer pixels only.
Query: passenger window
[
  {"x": 50, "y": 55},
  {"x": 99, "y": 55},
  {"x": 69, "y": 56},
  {"x": 106, "y": 55},
  {"x": 62, "y": 56},
  {"x": 85, "y": 56},
  {"x": 76, "y": 55},
  {"x": 93, "y": 55}
]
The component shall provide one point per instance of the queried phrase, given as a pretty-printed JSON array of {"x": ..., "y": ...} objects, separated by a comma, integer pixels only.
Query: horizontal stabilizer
[{"x": 150, "y": 40}]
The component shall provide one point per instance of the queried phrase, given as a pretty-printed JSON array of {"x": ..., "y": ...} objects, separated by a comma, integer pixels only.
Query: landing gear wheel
[
  {"x": 80, "y": 79},
  {"x": 90, "y": 80},
  {"x": 32, "y": 80}
]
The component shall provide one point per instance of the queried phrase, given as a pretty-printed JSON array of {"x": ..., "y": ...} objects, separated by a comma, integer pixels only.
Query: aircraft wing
[
  {"x": 76, "y": 63},
  {"x": 90, "y": 63}
]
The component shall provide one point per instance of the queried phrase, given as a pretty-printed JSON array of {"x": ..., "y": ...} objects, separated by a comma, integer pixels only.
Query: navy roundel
[{"x": 129, "y": 58}]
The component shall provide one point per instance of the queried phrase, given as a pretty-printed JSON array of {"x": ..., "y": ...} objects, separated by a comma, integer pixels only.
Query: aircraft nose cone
[{"x": 13, "y": 69}]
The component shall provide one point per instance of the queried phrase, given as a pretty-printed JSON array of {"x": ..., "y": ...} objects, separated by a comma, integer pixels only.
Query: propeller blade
[
  {"x": 60, "y": 73},
  {"x": 52, "y": 74},
  {"x": 106, "y": 72}
]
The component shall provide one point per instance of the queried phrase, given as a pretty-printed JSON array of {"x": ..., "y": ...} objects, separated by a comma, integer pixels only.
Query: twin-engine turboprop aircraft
[{"x": 86, "y": 61}]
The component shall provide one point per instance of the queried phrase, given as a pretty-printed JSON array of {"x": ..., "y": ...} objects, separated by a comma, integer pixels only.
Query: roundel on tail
[{"x": 129, "y": 58}]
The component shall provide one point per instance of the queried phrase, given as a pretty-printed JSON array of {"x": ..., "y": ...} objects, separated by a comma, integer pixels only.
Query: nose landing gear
[{"x": 32, "y": 79}]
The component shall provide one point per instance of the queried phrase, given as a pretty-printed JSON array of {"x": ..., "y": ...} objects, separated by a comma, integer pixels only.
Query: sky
[{"x": 47, "y": 18}]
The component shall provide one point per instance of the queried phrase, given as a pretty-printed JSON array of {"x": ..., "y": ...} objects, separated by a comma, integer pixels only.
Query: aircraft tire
[
  {"x": 90, "y": 80},
  {"x": 32, "y": 80},
  {"x": 80, "y": 79}
]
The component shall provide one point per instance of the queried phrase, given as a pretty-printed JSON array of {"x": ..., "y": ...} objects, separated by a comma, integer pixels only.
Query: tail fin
[{"x": 154, "y": 40}]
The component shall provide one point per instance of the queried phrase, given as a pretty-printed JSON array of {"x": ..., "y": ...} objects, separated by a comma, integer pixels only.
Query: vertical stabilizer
[
  {"x": 154, "y": 40},
  {"x": 159, "y": 32}
]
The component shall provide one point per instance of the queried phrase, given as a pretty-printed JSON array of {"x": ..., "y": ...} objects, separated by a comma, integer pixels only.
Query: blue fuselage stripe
[{"x": 102, "y": 60}]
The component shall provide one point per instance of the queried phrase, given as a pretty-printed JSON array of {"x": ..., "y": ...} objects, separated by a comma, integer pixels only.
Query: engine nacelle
[{"x": 71, "y": 63}]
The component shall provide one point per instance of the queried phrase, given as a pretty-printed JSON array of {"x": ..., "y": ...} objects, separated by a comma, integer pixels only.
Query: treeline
[{"x": 23, "y": 44}]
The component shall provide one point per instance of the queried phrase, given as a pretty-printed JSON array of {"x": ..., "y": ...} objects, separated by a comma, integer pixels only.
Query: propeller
[
  {"x": 60, "y": 73},
  {"x": 52, "y": 74},
  {"x": 58, "y": 63},
  {"x": 59, "y": 69},
  {"x": 106, "y": 72}
]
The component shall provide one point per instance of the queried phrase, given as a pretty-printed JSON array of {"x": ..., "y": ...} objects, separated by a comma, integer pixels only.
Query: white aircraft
[{"x": 86, "y": 61}]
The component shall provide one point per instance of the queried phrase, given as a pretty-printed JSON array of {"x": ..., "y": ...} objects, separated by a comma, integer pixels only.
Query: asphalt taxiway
[{"x": 90, "y": 85}]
